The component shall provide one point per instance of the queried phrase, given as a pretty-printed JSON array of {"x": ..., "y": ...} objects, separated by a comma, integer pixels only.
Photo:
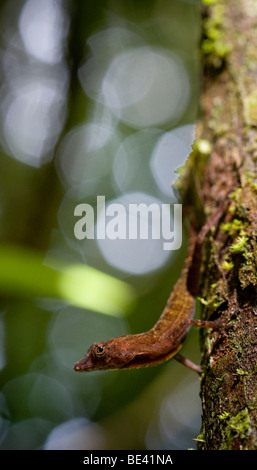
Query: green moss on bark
[{"x": 228, "y": 288}]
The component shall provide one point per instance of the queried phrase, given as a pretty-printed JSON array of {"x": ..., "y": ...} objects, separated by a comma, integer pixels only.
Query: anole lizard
[{"x": 165, "y": 338}]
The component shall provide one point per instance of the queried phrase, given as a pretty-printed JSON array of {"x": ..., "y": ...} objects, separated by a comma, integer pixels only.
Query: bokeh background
[{"x": 96, "y": 98}]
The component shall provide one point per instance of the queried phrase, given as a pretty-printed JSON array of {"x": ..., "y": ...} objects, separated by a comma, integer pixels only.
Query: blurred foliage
[
  {"x": 54, "y": 55},
  {"x": 23, "y": 273}
]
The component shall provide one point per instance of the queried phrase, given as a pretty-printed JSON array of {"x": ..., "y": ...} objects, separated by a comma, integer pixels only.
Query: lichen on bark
[{"x": 229, "y": 177}]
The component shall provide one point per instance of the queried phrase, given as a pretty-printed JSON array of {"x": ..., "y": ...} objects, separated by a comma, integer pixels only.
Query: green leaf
[{"x": 23, "y": 272}]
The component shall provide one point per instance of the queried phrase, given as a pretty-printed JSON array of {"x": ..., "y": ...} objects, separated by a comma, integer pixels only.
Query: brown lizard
[{"x": 165, "y": 338}]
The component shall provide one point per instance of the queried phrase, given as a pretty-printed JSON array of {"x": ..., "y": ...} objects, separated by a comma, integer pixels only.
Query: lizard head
[{"x": 106, "y": 355}]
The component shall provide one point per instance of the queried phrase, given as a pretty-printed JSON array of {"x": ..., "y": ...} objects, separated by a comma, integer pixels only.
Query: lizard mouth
[{"x": 84, "y": 365}]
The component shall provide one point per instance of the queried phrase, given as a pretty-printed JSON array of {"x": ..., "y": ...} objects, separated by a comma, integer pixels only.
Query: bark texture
[{"x": 227, "y": 177}]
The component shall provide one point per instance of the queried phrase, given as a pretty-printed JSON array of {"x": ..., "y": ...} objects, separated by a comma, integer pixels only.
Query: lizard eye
[{"x": 99, "y": 351}]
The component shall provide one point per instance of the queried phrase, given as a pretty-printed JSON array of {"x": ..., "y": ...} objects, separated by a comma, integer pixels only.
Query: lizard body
[{"x": 158, "y": 344}]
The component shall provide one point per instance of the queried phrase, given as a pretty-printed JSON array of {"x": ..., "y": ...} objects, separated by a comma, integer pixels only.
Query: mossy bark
[{"x": 227, "y": 178}]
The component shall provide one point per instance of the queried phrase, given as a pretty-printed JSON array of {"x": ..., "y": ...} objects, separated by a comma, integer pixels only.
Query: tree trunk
[{"x": 227, "y": 178}]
